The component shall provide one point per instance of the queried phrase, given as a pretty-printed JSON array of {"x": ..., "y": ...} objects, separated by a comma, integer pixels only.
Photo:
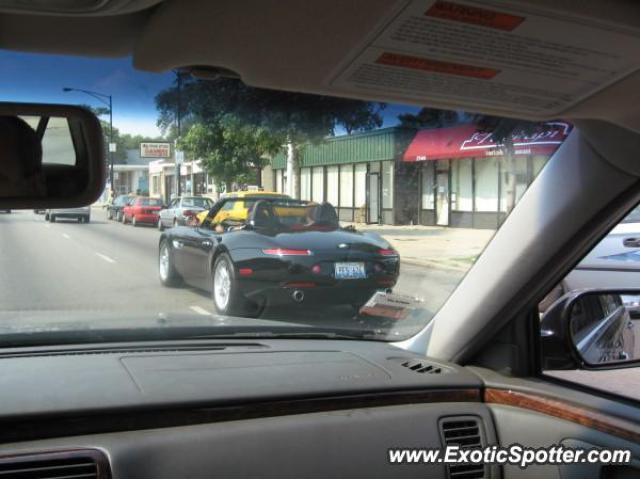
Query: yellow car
[{"x": 238, "y": 210}]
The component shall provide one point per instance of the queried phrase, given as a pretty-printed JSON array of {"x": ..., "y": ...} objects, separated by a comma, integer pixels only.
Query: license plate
[{"x": 350, "y": 271}]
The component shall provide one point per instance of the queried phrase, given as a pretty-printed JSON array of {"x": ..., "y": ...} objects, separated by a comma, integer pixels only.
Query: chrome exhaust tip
[{"x": 297, "y": 296}]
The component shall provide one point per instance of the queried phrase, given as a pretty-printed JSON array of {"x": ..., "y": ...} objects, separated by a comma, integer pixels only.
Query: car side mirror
[
  {"x": 592, "y": 329},
  {"x": 51, "y": 156}
]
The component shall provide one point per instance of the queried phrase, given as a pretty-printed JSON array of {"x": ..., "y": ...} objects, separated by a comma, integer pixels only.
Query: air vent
[
  {"x": 77, "y": 464},
  {"x": 423, "y": 367},
  {"x": 466, "y": 433}
]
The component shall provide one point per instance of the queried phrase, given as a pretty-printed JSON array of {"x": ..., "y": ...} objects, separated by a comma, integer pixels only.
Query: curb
[{"x": 433, "y": 264}]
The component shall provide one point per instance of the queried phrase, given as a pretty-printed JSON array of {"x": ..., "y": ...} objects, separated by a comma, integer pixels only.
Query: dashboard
[{"x": 275, "y": 408}]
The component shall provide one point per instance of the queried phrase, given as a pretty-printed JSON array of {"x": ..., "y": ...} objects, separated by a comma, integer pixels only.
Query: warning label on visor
[{"x": 495, "y": 56}]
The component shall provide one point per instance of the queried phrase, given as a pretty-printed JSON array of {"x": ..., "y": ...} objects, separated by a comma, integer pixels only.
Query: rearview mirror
[
  {"x": 592, "y": 329},
  {"x": 51, "y": 156}
]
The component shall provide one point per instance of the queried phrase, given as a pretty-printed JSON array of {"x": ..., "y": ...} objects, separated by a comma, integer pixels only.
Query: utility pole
[
  {"x": 107, "y": 100},
  {"x": 179, "y": 120}
]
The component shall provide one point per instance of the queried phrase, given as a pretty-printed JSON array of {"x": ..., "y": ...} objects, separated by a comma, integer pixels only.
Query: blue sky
[{"x": 28, "y": 77}]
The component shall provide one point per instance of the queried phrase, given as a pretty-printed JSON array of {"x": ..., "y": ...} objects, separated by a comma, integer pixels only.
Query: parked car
[
  {"x": 6, "y": 211},
  {"x": 82, "y": 214},
  {"x": 183, "y": 209},
  {"x": 288, "y": 251},
  {"x": 114, "y": 210},
  {"x": 142, "y": 209},
  {"x": 613, "y": 263}
]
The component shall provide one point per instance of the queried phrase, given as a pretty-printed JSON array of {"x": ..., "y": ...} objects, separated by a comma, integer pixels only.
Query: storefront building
[
  {"x": 454, "y": 176},
  {"x": 193, "y": 180},
  {"x": 467, "y": 180},
  {"x": 356, "y": 173}
]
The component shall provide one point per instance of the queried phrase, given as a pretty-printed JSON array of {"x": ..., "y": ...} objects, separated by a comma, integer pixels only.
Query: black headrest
[
  {"x": 324, "y": 214},
  {"x": 22, "y": 142},
  {"x": 262, "y": 215}
]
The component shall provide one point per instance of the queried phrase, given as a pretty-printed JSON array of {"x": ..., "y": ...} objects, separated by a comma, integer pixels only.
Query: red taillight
[
  {"x": 287, "y": 252},
  {"x": 188, "y": 213},
  {"x": 245, "y": 271},
  {"x": 387, "y": 252},
  {"x": 316, "y": 269},
  {"x": 300, "y": 284}
]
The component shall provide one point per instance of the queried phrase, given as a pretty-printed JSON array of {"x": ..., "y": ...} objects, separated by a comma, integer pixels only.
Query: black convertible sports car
[{"x": 263, "y": 251}]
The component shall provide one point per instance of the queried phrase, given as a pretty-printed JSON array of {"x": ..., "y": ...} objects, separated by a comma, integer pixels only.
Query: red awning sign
[{"x": 465, "y": 141}]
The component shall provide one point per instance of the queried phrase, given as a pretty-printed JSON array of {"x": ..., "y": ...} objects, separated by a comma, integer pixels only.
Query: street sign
[
  {"x": 112, "y": 147},
  {"x": 179, "y": 157},
  {"x": 155, "y": 150}
]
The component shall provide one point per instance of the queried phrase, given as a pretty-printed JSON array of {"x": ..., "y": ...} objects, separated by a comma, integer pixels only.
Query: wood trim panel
[{"x": 567, "y": 410}]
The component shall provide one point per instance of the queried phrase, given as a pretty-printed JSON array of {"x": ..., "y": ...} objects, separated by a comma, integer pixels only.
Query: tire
[
  {"x": 134, "y": 222},
  {"x": 109, "y": 214},
  {"x": 86, "y": 219},
  {"x": 225, "y": 294},
  {"x": 167, "y": 273},
  {"x": 52, "y": 218},
  {"x": 119, "y": 216},
  {"x": 46, "y": 217},
  {"x": 160, "y": 225}
]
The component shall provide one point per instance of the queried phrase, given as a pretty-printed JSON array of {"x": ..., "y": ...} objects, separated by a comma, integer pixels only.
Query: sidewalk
[{"x": 434, "y": 246}]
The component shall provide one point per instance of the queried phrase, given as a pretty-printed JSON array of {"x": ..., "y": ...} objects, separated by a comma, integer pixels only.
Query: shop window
[
  {"x": 361, "y": 185},
  {"x": 428, "y": 185},
  {"x": 333, "y": 180},
  {"x": 462, "y": 185},
  {"x": 346, "y": 186},
  {"x": 305, "y": 183},
  {"x": 374, "y": 167},
  {"x": 317, "y": 180},
  {"x": 514, "y": 181},
  {"x": 538, "y": 162},
  {"x": 486, "y": 184},
  {"x": 387, "y": 184}
]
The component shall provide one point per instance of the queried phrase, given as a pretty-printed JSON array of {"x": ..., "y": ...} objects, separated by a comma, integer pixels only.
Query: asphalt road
[{"x": 109, "y": 268}]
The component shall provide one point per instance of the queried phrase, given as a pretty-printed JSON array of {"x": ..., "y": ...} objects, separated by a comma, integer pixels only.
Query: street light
[{"x": 105, "y": 99}]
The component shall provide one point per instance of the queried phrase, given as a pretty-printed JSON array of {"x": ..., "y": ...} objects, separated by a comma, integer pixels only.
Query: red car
[{"x": 142, "y": 209}]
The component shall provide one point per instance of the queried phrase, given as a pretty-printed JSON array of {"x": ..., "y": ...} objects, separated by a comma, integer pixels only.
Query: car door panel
[
  {"x": 197, "y": 244},
  {"x": 548, "y": 413}
]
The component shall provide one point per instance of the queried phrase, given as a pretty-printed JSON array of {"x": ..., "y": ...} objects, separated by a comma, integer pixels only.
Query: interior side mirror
[
  {"x": 592, "y": 329},
  {"x": 51, "y": 156}
]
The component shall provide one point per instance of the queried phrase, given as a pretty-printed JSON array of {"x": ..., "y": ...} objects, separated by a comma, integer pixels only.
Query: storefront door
[
  {"x": 442, "y": 198},
  {"x": 374, "y": 198}
]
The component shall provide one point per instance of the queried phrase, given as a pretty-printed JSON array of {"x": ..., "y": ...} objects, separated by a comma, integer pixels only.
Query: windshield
[
  {"x": 325, "y": 214},
  {"x": 197, "y": 202}
]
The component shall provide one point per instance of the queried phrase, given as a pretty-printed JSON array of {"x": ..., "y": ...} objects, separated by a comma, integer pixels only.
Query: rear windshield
[
  {"x": 150, "y": 202},
  {"x": 633, "y": 217},
  {"x": 197, "y": 202}
]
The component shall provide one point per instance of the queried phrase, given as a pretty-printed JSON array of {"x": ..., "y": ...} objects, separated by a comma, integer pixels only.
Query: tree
[
  {"x": 230, "y": 150},
  {"x": 293, "y": 118}
]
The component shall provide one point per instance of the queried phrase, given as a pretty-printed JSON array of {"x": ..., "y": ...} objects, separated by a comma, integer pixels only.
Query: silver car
[
  {"x": 181, "y": 210},
  {"x": 613, "y": 263},
  {"x": 83, "y": 214}
]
